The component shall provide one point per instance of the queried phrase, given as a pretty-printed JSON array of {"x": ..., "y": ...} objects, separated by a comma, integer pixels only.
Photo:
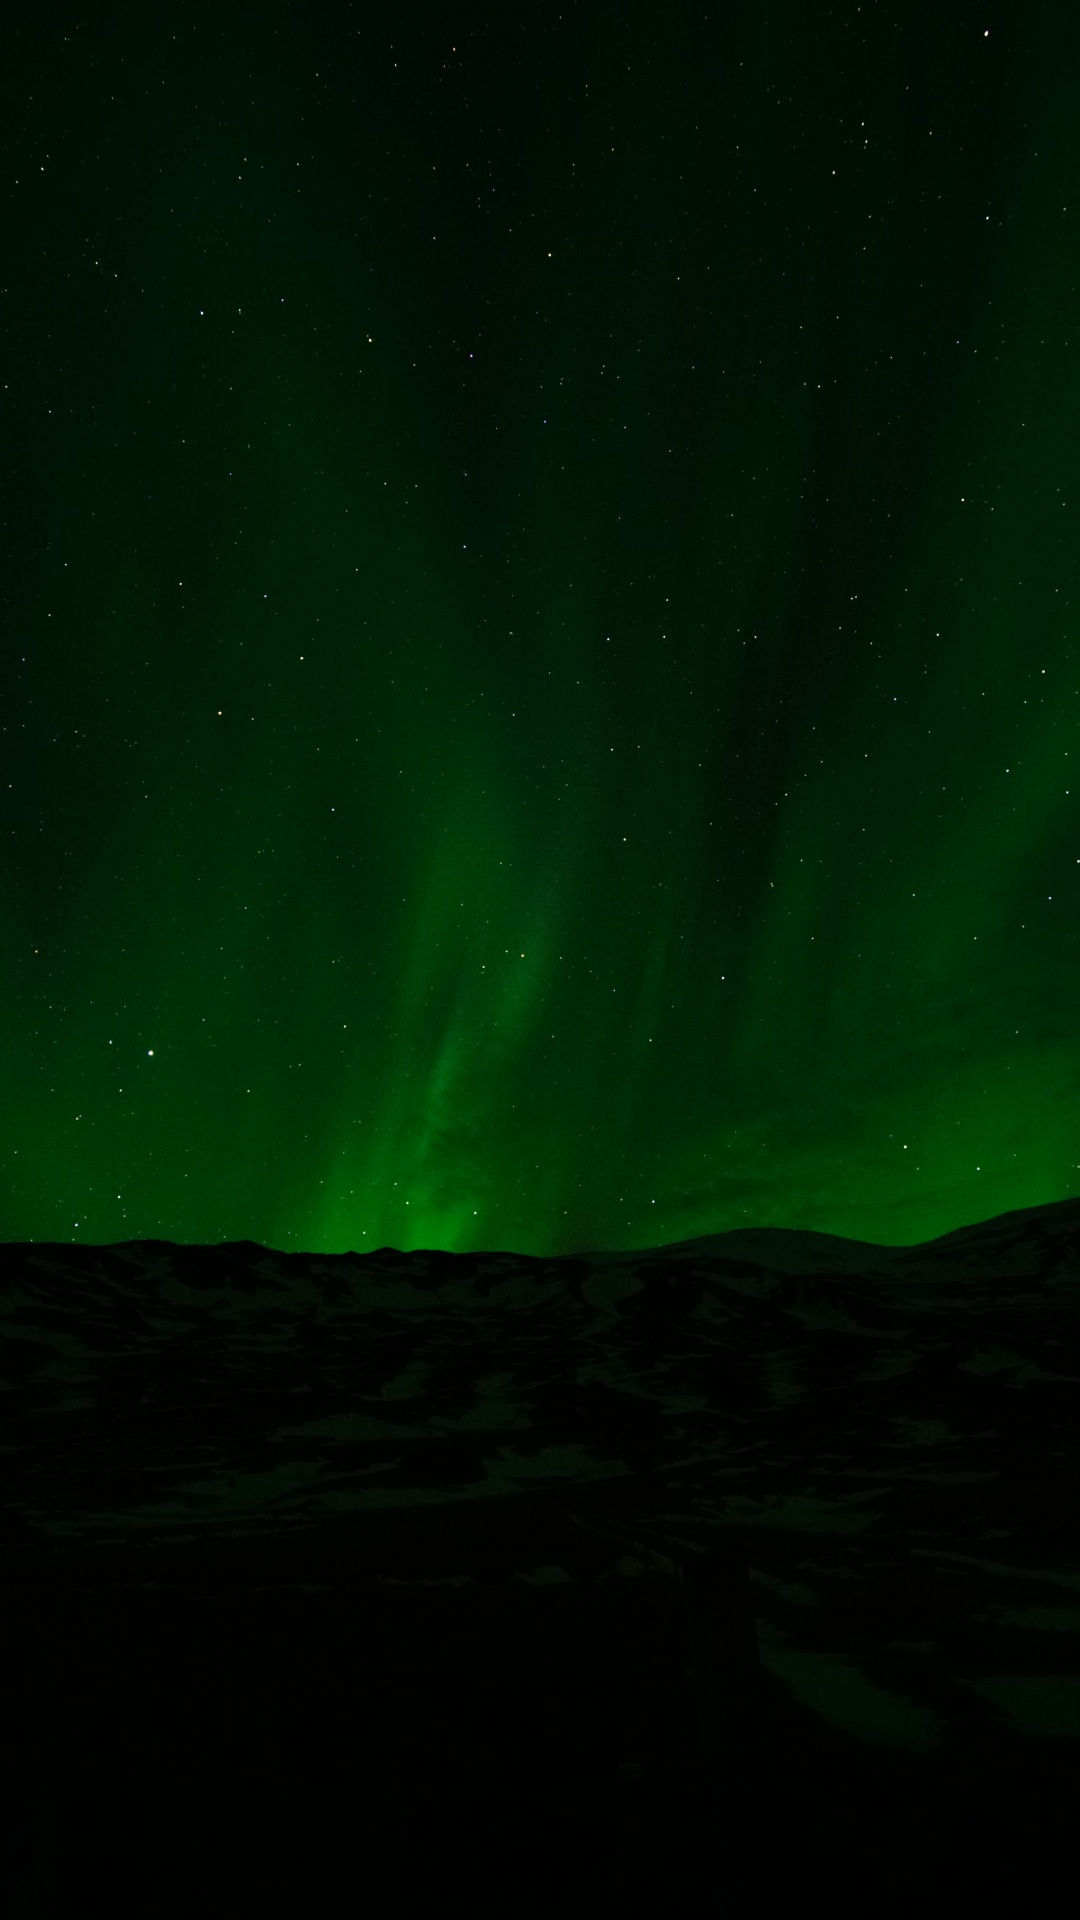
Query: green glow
[{"x": 563, "y": 733}]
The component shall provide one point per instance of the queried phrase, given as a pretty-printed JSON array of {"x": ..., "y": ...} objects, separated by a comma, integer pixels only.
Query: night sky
[{"x": 539, "y": 681}]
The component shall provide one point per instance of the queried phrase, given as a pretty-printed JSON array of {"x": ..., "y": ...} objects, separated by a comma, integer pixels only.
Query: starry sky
[{"x": 539, "y": 687}]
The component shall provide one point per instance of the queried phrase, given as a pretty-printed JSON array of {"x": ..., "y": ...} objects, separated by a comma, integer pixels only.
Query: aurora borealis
[{"x": 539, "y": 683}]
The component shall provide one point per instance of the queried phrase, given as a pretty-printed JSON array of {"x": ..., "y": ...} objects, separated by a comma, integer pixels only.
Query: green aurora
[{"x": 539, "y": 686}]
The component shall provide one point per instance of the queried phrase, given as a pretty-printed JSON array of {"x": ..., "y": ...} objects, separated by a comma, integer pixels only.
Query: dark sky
[{"x": 539, "y": 677}]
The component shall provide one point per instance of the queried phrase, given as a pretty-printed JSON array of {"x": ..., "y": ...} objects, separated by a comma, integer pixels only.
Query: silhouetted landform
[{"x": 617, "y": 1548}]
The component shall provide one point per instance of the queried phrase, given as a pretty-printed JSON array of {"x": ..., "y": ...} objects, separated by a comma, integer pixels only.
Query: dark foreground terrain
[
  {"x": 742, "y": 1569},
  {"x": 186, "y": 1748}
]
